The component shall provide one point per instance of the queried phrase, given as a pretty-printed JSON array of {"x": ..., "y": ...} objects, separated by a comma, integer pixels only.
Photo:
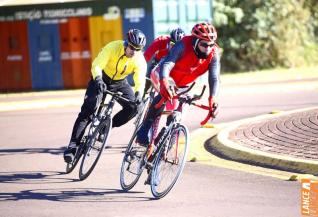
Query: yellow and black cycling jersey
[{"x": 112, "y": 61}]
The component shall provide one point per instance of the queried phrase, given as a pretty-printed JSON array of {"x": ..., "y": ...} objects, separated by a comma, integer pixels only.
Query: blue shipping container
[
  {"x": 44, "y": 43},
  {"x": 138, "y": 18}
]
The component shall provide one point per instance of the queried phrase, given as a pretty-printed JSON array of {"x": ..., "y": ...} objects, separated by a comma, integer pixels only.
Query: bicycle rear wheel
[
  {"x": 132, "y": 164},
  {"x": 169, "y": 162},
  {"x": 94, "y": 148}
]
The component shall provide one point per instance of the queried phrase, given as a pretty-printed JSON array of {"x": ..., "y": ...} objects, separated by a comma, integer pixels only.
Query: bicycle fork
[{"x": 162, "y": 143}]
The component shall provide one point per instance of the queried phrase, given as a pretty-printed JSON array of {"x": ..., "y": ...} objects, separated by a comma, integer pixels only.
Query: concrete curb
[
  {"x": 198, "y": 138},
  {"x": 229, "y": 149}
]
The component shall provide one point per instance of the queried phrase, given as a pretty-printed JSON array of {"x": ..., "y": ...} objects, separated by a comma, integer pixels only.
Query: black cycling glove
[
  {"x": 138, "y": 97},
  {"x": 100, "y": 84}
]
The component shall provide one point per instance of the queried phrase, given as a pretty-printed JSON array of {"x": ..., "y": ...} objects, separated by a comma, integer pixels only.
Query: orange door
[
  {"x": 15, "y": 74},
  {"x": 75, "y": 52}
]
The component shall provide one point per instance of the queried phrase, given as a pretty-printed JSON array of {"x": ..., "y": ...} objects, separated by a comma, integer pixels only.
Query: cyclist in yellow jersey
[{"x": 110, "y": 68}]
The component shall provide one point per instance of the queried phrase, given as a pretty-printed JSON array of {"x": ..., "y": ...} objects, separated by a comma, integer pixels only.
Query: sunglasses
[
  {"x": 206, "y": 45},
  {"x": 133, "y": 48}
]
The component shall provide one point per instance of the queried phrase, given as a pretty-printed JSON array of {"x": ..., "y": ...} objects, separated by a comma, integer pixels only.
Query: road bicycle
[
  {"x": 95, "y": 137},
  {"x": 164, "y": 158},
  {"x": 143, "y": 108}
]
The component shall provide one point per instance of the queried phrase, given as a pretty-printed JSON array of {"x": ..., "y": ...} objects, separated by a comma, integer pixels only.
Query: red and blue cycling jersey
[
  {"x": 159, "y": 48},
  {"x": 183, "y": 65}
]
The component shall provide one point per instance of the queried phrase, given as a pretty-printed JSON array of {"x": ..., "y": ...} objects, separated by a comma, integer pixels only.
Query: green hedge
[{"x": 266, "y": 34}]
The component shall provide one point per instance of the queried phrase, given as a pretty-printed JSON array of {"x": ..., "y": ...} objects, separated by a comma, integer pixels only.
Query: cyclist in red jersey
[
  {"x": 159, "y": 48},
  {"x": 189, "y": 58}
]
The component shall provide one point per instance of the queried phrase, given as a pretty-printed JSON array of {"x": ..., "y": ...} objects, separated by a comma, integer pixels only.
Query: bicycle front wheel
[
  {"x": 94, "y": 148},
  {"x": 142, "y": 113},
  {"x": 169, "y": 162},
  {"x": 132, "y": 164},
  {"x": 70, "y": 166},
  {"x": 79, "y": 152}
]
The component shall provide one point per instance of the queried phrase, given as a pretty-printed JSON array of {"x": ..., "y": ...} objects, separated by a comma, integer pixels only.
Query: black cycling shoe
[{"x": 69, "y": 154}]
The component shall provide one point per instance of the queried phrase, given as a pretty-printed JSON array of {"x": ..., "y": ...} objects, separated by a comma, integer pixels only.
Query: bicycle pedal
[{"x": 147, "y": 182}]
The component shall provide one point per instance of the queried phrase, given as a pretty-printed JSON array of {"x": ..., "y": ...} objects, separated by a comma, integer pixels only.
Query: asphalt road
[{"x": 33, "y": 183}]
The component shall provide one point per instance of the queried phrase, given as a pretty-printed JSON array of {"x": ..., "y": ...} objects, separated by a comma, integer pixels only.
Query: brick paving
[{"x": 293, "y": 135}]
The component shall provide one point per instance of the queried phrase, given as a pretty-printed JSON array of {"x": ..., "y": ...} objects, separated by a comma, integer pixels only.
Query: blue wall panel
[
  {"x": 139, "y": 18},
  {"x": 44, "y": 43}
]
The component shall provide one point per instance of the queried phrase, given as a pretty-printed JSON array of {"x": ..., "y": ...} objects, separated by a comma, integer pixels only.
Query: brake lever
[{"x": 211, "y": 115}]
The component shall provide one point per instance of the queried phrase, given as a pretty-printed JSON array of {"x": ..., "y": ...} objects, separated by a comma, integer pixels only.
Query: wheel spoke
[
  {"x": 132, "y": 165},
  {"x": 95, "y": 149}
]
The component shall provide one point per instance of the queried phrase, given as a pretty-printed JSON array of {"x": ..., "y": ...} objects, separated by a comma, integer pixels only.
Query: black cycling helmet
[
  {"x": 176, "y": 35},
  {"x": 136, "y": 38}
]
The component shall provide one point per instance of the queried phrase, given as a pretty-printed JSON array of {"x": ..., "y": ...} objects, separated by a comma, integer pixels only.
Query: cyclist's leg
[
  {"x": 91, "y": 101},
  {"x": 148, "y": 83},
  {"x": 128, "y": 110},
  {"x": 147, "y": 86},
  {"x": 153, "y": 113}
]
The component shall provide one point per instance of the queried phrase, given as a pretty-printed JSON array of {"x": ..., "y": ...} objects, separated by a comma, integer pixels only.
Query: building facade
[{"x": 51, "y": 46}]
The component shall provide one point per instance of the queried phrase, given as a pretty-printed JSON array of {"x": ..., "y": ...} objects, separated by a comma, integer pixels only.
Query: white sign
[
  {"x": 75, "y": 55},
  {"x": 45, "y": 56},
  {"x": 14, "y": 58},
  {"x": 50, "y": 13},
  {"x": 135, "y": 14},
  {"x": 113, "y": 13}
]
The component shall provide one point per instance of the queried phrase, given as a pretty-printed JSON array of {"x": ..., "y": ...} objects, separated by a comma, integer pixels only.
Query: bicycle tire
[
  {"x": 70, "y": 166},
  {"x": 92, "y": 146},
  {"x": 131, "y": 167},
  {"x": 140, "y": 118},
  {"x": 79, "y": 153},
  {"x": 163, "y": 175}
]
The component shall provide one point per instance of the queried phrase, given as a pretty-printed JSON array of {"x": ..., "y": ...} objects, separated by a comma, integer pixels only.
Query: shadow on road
[
  {"x": 33, "y": 177},
  {"x": 114, "y": 148},
  {"x": 54, "y": 151},
  {"x": 60, "y": 194},
  {"x": 75, "y": 195}
]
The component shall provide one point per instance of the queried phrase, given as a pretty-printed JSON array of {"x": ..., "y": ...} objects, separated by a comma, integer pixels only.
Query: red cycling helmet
[{"x": 204, "y": 31}]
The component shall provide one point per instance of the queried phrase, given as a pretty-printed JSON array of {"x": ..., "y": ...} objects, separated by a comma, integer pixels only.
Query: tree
[
  {"x": 312, "y": 6},
  {"x": 264, "y": 34}
]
